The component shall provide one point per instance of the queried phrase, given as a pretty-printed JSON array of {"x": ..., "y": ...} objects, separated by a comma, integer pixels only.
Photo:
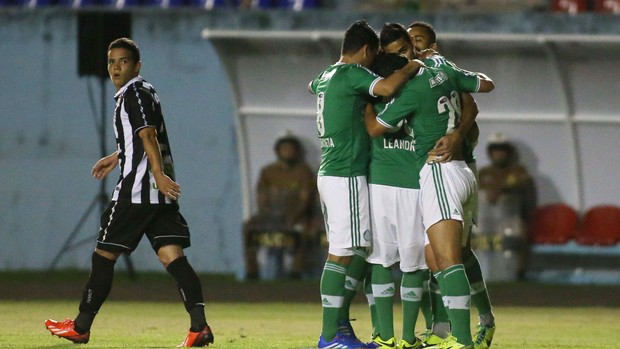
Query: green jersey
[
  {"x": 392, "y": 157},
  {"x": 432, "y": 96},
  {"x": 342, "y": 91},
  {"x": 438, "y": 61}
]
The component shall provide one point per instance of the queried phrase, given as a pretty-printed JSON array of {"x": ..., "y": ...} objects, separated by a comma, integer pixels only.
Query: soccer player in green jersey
[
  {"x": 342, "y": 90},
  {"x": 423, "y": 36},
  {"x": 432, "y": 97},
  {"x": 394, "y": 190}
]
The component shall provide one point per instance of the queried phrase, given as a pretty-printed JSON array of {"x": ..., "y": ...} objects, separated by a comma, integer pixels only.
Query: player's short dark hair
[
  {"x": 386, "y": 63},
  {"x": 392, "y": 32},
  {"x": 127, "y": 44},
  {"x": 428, "y": 27},
  {"x": 357, "y": 35}
]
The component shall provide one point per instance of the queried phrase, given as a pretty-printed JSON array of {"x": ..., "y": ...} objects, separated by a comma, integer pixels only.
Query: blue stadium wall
[{"x": 49, "y": 138}]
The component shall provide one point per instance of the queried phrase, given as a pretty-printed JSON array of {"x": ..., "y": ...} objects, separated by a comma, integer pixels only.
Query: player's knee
[
  {"x": 341, "y": 255},
  {"x": 430, "y": 259},
  {"x": 113, "y": 256},
  {"x": 345, "y": 260},
  {"x": 167, "y": 254},
  {"x": 445, "y": 262}
]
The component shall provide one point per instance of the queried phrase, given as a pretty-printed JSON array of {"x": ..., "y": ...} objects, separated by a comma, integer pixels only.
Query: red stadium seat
[
  {"x": 601, "y": 226},
  {"x": 607, "y": 6},
  {"x": 553, "y": 224},
  {"x": 569, "y": 6}
]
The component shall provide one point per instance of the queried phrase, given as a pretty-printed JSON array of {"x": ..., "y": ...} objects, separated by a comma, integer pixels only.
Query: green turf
[{"x": 271, "y": 325}]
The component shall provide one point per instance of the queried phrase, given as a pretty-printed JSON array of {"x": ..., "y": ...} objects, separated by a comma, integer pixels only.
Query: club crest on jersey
[
  {"x": 367, "y": 235},
  {"x": 438, "y": 79}
]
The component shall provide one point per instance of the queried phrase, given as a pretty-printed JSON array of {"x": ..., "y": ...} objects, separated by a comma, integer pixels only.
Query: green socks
[
  {"x": 339, "y": 284},
  {"x": 425, "y": 303},
  {"x": 371, "y": 303},
  {"x": 479, "y": 294},
  {"x": 332, "y": 297},
  {"x": 456, "y": 297},
  {"x": 355, "y": 273},
  {"x": 441, "y": 322},
  {"x": 411, "y": 290},
  {"x": 383, "y": 292},
  {"x": 411, "y": 294}
]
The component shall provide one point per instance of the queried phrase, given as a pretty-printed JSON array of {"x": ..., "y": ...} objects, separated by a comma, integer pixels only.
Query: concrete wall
[{"x": 49, "y": 141}]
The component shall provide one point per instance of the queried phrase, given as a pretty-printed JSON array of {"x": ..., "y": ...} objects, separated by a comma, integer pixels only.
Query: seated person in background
[
  {"x": 507, "y": 194},
  {"x": 286, "y": 192}
]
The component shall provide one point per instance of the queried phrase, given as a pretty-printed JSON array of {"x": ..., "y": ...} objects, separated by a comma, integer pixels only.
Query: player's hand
[
  {"x": 167, "y": 186},
  {"x": 446, "y": 147},
  {"x": 104, "y": 166}
]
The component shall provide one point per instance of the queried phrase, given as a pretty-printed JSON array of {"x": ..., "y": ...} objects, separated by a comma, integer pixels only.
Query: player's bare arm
[
  {"x": 448, "y": 147},
  {"x": 473, "y": 134},
  {"x": 374, "y": 128},
  {"x": 165, "y": 184},
  {"x": 469, "y": 112},
  {"x": 486, "y": 84},
  {"x": 104, "y": 166},
  {"x": 388, "y": 86}
]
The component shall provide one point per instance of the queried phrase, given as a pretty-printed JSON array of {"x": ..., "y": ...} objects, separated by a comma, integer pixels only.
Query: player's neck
[{"x": 350, "y": 59}]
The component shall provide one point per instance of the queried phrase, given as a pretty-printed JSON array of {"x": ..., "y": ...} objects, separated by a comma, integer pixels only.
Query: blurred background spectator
[
  {"x": 284, "y": 224},
  {"x": 507, "y": 198}
]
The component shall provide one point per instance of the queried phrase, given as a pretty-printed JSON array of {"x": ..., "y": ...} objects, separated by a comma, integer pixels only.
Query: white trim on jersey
[
  {"x": 385, "y": 124},
  {"x": 372, "y": 86}
]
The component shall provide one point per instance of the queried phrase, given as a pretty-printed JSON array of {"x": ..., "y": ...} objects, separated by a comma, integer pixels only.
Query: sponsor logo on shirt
[{"x": 438, "y": 79}]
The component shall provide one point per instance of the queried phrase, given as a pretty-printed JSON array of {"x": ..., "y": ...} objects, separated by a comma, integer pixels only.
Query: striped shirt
[{"x": 137, "y": 107}]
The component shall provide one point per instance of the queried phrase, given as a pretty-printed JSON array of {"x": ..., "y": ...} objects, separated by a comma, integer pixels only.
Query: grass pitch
[{"x": 123, "y": 324}]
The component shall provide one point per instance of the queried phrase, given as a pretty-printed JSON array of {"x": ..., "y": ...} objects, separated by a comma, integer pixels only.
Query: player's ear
[
  {"x": 366, "y": 51},
  {"x": 137, "y": 67},
  {"x": 434, "y": 47}
]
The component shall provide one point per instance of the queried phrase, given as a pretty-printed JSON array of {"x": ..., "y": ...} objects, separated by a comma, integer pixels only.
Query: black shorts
[{"x": 123, "y": 224}]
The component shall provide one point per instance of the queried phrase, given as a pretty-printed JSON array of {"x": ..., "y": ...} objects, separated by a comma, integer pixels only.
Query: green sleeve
[
  {"x": 362, "y": 80},
  {"x": 465, "y": 81},
  {"x": 398, "y": 109},
  {"x": 314, "y": 84}
]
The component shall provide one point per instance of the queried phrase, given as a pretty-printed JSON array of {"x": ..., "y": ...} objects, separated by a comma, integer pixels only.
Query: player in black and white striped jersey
[
  {"x": 144, "y": 202},
  {"x": 138, "y": 108}
]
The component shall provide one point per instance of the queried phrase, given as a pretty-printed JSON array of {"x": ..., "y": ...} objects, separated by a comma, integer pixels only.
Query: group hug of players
[{"x": 397, "y": 181}]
